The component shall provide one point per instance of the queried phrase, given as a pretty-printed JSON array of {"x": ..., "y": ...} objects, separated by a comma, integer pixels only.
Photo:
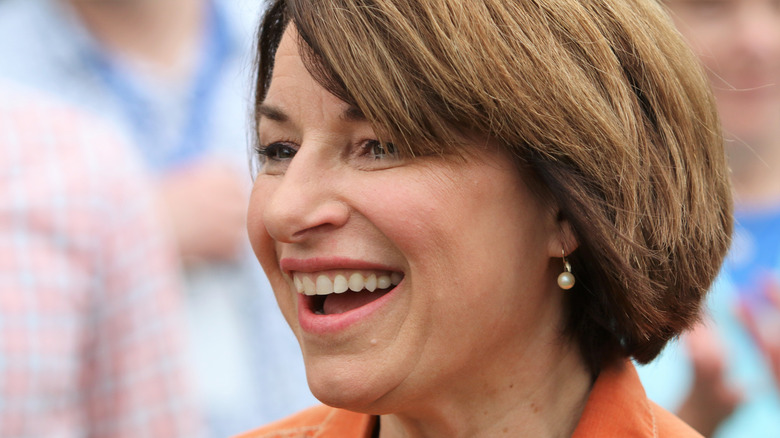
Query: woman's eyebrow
[
  {"x": 353, "y": 114},
  {"x": 271, "y": 112},
  {"x": 350, "y": 114}
]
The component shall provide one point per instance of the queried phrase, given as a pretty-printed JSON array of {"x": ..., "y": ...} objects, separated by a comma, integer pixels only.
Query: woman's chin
[{"x": 351, "y": 392}]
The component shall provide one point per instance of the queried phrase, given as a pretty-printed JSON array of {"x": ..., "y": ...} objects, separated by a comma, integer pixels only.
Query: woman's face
[
  {"x": 460, "y": 254},
  {"x": 738, "y": 41}
]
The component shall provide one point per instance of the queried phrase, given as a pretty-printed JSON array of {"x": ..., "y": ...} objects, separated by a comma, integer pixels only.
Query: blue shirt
[{"x": 755, "y": 252}]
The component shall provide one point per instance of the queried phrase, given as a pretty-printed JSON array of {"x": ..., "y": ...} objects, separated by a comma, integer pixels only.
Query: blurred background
[
  {"x": 722, "y": 377},
  {"x": 130, "y": 301}
]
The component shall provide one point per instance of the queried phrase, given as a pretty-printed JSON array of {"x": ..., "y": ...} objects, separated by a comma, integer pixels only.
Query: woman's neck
[
  {"x": 541, "y": 396},
  {"x": 160, "y": 35}
]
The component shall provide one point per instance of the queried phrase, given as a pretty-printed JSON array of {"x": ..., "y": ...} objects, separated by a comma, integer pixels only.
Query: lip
[{"x": 316, "y": 324}]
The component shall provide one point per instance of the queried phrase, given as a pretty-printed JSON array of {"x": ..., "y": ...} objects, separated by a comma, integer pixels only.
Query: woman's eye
[
  {"x": 276, "y": 152},
  {"x": 379, "y": 150}
]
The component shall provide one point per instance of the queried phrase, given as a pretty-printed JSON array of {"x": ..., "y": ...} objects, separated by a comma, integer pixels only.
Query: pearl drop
[{"x": 566, "y": 280}]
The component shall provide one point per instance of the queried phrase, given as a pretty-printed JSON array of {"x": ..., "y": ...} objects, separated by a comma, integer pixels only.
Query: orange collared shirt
[{"x": 617, "y": 407}]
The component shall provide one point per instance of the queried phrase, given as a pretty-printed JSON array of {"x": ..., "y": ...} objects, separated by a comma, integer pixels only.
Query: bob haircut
[{"x": 600, "y": 100}]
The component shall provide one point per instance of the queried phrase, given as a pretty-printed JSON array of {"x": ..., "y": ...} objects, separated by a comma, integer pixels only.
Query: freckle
[
  {"x": 506, "y": 430},
  {"x": 512, "y": 385},
  {"x": 534, "y": 408}
]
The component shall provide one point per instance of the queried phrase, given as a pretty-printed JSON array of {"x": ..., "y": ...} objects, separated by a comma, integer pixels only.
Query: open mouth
[{"x": 335, "y": 293}]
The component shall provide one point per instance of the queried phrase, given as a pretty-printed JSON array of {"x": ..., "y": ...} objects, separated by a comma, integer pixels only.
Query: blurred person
[
  {"x": 722, "y": 378},
  {"x": 473, "y": 214},
  {"x": 173, "y": 75},
  {"x": 90, "y": 306}
]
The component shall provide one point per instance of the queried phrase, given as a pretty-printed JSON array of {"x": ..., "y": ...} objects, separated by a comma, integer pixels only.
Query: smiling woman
[{"x": 424, "y": 173}]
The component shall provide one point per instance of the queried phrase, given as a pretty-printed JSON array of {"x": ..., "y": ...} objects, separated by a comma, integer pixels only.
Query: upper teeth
[{"x": 322, "y": 284}]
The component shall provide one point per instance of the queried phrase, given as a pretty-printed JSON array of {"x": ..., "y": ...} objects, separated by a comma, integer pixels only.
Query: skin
[
  {"x": 162, "y": 37},
  {"x": 205, "y": 204},
  {"x": 763, "y": 327},
  {"x": 711, "y": 398},
  {"x": 469, "y": 343}
]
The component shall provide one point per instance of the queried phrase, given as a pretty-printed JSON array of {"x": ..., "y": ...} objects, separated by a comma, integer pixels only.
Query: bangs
[{"x": 359, "y": 63}]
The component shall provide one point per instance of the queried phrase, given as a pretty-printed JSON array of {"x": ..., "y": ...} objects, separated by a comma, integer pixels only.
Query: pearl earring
[{"x": 566, "y": 278}]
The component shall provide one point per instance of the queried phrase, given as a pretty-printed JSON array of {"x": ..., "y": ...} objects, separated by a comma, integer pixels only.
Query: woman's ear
[{"x": 565, "y": 242}]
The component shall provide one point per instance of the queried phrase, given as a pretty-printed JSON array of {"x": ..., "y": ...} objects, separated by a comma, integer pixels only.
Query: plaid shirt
[
  {"x": 89, "y": 298},
  {"x": 246, "y": 363}
]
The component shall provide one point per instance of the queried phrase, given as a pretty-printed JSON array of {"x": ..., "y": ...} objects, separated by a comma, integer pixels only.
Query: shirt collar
[{"x": 617, "y": 406}]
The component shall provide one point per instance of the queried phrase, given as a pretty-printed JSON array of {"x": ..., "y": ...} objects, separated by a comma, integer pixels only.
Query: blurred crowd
[
  {"x": 130, "y": 302},
  {"x": 723, "y": 376}
]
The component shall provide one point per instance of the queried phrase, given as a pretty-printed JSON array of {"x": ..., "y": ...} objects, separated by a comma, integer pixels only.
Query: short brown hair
[{"x": 600, "y": 99}]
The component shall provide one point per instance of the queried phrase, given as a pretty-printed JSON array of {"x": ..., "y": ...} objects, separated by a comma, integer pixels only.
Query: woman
[{"x": 473, "y": 214}]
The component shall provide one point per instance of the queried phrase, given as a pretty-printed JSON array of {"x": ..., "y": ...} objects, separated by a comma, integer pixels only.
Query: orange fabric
[
  {"x": 318, "y": 422},
  {"x": 617, "y": 407}
]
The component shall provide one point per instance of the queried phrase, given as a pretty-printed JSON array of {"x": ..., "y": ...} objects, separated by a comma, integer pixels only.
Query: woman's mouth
[{"x": 336, "y": 292}]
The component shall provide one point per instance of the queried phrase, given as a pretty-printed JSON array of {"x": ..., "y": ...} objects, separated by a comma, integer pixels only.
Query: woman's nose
[{"x": 306, "y": 200}]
